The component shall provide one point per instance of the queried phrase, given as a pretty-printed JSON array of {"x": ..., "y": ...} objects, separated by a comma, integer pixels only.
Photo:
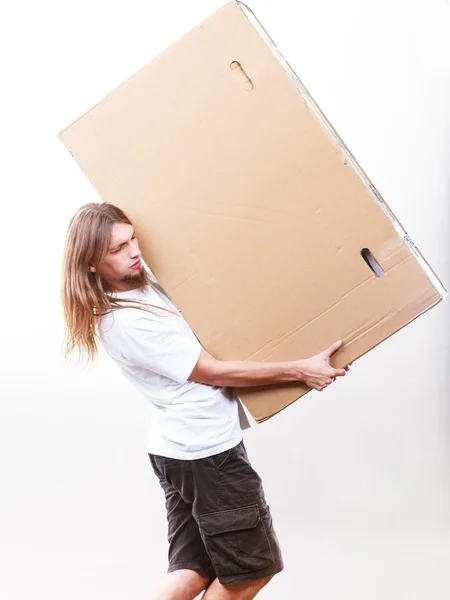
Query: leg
[
  {"x": 240, "y": 591},
  {"x": 190, "y": 568},
  {"x": 184, "y": 584}
]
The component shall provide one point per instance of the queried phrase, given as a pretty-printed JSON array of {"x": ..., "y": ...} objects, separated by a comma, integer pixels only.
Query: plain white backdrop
[{"x": 358, "y": 478}]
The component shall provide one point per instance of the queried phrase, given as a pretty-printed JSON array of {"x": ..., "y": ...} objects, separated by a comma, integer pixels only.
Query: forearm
[{"x": 245, "y": 373}]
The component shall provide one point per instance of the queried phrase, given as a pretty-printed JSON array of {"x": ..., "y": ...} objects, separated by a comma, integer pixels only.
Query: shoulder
[
  {"x": 108, "y": 324},
  {"x": 134, "y": 319},
  {"x": 125, "y": 316}
]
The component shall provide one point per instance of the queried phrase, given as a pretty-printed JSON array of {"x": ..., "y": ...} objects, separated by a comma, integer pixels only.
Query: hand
[{"x": 317, "y": 371}]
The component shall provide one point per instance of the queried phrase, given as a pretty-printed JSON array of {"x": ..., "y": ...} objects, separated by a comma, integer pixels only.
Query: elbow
[{"x": 207, "y": 370}]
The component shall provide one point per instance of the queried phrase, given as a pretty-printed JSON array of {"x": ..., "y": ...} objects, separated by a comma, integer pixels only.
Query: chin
[{"x": 138, "y": 276}]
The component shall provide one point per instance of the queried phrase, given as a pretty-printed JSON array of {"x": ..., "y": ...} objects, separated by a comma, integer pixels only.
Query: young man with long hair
[{"x": 220, "y": 530}]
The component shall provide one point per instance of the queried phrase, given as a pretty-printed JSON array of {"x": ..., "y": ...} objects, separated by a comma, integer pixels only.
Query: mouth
[{"x": 136, "y": 265}]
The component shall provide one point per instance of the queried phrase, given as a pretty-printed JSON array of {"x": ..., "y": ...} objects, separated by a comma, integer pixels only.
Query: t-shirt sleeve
[{"x": 161, "y": 343}]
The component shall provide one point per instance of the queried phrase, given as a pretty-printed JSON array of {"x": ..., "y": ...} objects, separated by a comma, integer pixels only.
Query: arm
[
  {"x": 316, "y": 371},
  {"x": 241, "y": 373}
]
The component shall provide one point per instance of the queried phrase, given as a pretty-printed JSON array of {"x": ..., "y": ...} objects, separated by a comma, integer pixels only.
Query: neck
[{"x": 122, "y": 286}]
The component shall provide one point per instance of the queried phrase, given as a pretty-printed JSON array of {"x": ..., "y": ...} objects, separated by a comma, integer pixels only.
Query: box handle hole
[
  {"x": 370, "y": 259},
  {"x": 242, "y": 75}
]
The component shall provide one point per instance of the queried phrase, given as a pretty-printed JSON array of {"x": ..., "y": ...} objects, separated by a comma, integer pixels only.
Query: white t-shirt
[{"x": 157, "y": 353}]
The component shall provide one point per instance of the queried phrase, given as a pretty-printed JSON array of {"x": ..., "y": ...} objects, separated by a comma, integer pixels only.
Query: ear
[{"x": 92, "y": 269}]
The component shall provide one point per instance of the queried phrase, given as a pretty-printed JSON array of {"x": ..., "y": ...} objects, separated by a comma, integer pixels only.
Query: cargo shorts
[{"x": 219, "y": 522}]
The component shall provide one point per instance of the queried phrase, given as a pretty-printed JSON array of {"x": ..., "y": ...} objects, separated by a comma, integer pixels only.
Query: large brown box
[{"x": 250, "y": 210}]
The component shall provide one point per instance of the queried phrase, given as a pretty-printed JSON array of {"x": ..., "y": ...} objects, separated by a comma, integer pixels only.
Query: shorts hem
[
  {"x": 192, "y": 566},
  {"x": 252, "y": 575}
]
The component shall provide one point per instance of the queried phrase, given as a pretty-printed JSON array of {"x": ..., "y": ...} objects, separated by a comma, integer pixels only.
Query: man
[{"x": 220, "y": 530}]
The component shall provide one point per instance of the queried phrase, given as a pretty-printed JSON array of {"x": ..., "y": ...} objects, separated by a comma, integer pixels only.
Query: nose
[{"x": 134, "y": 250}]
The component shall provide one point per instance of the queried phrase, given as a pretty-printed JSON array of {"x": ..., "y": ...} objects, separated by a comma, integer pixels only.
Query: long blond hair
[{"x": 85, "y": 296}]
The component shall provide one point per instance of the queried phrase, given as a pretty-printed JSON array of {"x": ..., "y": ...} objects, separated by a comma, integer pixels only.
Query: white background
[{"x": 358, "y": 478}]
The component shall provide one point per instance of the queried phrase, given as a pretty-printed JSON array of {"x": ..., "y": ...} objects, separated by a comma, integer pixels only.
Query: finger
[
  {"x": 333, "y": 348},
  {"x": 339, "y": 372}
]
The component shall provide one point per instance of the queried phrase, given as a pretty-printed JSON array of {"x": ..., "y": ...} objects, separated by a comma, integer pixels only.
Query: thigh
[
  {"x": 234, "y": 518},
  {"x": 186, "y": 547}
]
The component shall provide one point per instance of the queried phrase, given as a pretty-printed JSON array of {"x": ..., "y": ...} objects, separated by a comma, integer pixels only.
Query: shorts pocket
[
  {"x": 236, "y": 540},
  {"x": 219, "y": 460}
]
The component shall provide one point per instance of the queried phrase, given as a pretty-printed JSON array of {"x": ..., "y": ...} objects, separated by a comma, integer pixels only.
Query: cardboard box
[{"x": 249, "y": 208}]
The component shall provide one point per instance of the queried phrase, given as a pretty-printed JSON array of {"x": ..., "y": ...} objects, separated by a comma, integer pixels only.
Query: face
[{"x": 121, "y": 267}]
